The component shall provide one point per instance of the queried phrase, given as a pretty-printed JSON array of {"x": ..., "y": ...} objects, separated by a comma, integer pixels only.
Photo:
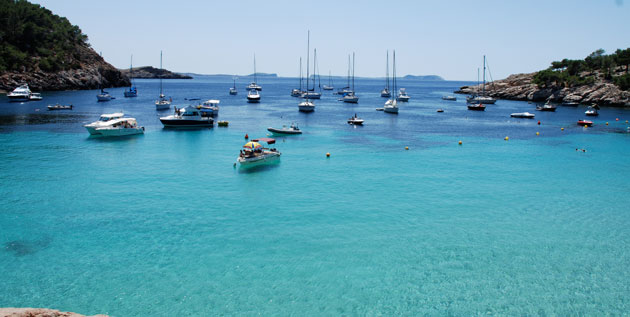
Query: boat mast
[
  {"x": 300, "y": 73},
  {"x": 131, "y": 72},
  {"x": 314, "y": 63},
  {"x": 483, "y": 92},
  {"x": 352, "y": 71},
  {"x": 387, "y": 72},
  {"x": 161, "y": 94},
  {"x": 255, "y": 80},
  {"x": 308, "y": 54},
  {"x": 348, "y": 71},
  {"x": 394, "y": 76}
]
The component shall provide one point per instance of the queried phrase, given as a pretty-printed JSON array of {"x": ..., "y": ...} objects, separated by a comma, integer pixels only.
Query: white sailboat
[
  {"x": 254, "y": 85},
  {"x": 311, "y": 93},
  {"x": 162, "y": 103},
  {"x": 330, "y": 85},
  {"x": 307, "y": 105},
  {"x": 103, "y": 95},
  {"x": 391, "y": 105},
  {"x": 132, "y": 91},
  {"x": 233, "y": 90},
  {"x": 483, "y": 98},
  {"x": 351, "y": 97},
  {"x": 298, "y": 92},
  {"x": 385, "y": 92}
]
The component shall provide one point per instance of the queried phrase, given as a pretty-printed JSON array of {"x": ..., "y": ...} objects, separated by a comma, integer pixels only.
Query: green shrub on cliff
[
  {"x": 571, "y": 73},
  {"x": 33, "y": 37},
  {"x": 623, "y": 81}
]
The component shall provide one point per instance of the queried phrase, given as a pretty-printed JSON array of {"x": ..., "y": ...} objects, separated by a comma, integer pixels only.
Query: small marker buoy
[
  {"x": 538, "y": 122},
  {"x": 616, "y": 119},
  {"x": 626, "y": 121},
  {"x": 246, "y": 136},
  {"x": 460, "y": 142},
  {"x": 537, "y": 133},
  {"x": 506, "y": 138},
  {"x": 606, "y": 123},
  {"x": 406, "y": 148},
  {"x": 561, "y": 129},
  {"x": 328, "y": 154}
]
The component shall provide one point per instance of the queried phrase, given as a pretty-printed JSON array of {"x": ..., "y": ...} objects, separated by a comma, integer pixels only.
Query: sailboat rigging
[
  {"x": 307, "y": 105},
  {"x": 385, "y": 92},
  {"x": 351, "y": 97},
  {"x": 162, "y": 103},
  {"x": 132, "y": 91}
]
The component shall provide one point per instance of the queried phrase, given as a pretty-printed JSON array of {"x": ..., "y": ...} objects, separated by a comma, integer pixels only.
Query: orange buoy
[
  {"x": 406, "y": 148},
  {"x": 616, "y": 119},
  {"x": 328, "y": 154},
  {"x": 246, "y": 136},
  {"x": 606, "y": 123},
  {"x": 460, "y": 142}
]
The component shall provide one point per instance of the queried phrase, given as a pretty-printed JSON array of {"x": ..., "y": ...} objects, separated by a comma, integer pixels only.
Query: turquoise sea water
[{"x": 163, "y": 224}]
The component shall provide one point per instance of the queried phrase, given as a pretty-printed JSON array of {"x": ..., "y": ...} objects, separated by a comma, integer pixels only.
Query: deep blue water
[{"x": 163, "y": 224}]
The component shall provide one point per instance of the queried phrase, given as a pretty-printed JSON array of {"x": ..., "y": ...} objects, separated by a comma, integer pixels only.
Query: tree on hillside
[{"x": 623, "y": 57}]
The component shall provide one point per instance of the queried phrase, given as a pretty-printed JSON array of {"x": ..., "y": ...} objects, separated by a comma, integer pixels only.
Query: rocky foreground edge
[
  {"x": 521, "y": 87},
  {"x": 38, "y": 312}
]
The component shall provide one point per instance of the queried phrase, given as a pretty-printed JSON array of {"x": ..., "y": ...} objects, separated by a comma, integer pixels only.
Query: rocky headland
[
  {"x": 522, "y": 87},
  {"x": 92, "y": 72},
  {"x": 151, "y": 72},
  {"x": 38, "y": 312}
]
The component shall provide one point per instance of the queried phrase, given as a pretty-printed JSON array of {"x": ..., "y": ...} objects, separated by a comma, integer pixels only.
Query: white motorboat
[
  {"x": 188, "y": 117},
  {"x": 103, "y": 96},
  {"x": 390, "y": 106},
  {"x": 21, "y": 93},
  {"x": 162, "y": 103},
  {"x": 292, "y": 129},
  {"x": 102, "y": 122},
  {"x": 121, "y": 127},
  {"x": 525, "y": 115},
  {"x": 209, "y": 108},
  {"x": 546, "y": 107},
  {"x": 35, "y": 96},
  {"x": 450, "y": 98},
  {"x": 253, "y": 96},
  {"x": 253, "y": 153},
  {"x": 355, "y": 120},
  {"x": 306, "y": 106},
  {"x": 592, "y": 112},
  {"x": 402, "y": 95}
]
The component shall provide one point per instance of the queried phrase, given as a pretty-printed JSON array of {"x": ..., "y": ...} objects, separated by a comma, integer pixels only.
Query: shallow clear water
[{"x": 163, "y": 224}]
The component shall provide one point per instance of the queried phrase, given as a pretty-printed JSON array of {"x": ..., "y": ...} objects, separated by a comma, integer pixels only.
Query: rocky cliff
[
  {"x": 521, "y": 87},
  {"x": 91, "y": 72},
  {"x": 152, "y": 72},
  {"x": 38, "y": 312}
]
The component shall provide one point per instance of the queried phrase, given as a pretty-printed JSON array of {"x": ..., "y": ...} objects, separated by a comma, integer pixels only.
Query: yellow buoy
[
  {"x": 406, "y": 148},
  {"x": 561, "y": 129},
  {"x": 506, "y": 138},
  {"x": 328, "y": 154},
  {"x": 537, "y": 133},
  {"x": 460, "y": 142}
]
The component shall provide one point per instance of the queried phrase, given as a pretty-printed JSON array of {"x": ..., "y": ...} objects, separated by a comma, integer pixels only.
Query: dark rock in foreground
[
  {"x": 38, "y": 312},
  {"x": 521, "y": 87},
  {"x": 150, "y": 72}
]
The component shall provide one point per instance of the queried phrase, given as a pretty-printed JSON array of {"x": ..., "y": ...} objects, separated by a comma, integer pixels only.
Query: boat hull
[
  {"x": 390, "y": 109},
  {"x": 310, "y": 108},
  {"x": 103, "y": 98},
  {"x": 162, "y": 105},
  {"x": 477, "y": 108},
  {"x": 312, "y": 95},
  {"x": 120, "y": 132},
  {"x": 184, "y": 123},
  {"x": 268, "y": 157},
  {"x": 130, "y": 94},
  {"x": 253, "y": 100},
  {"x": 283, "y": 131},
  {"x": 349, "y": 99}
]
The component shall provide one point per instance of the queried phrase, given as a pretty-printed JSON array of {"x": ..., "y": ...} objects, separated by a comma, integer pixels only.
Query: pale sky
[{"x": 445, "y": 38}]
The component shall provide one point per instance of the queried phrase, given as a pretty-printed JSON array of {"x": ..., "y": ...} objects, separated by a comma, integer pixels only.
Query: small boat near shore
[
  {"x": 103, "y": 121},
  {"x": 524, "y": 115},
  {"x": 585, "y": 123},
  {"x": 59, "y": 107},
  {"x": 103, "y": 96},
  {"x": 546, "y": 107},
  {"x": 253, "y": 153},
  {"x": 402, "y": 95},
  {"x": 355, "y": 120},
  {"x": 570, "y": 104},
  {"x": 35, "y": 96},
  {"x": 292, "y": 129},
  {"x": 477, "y": 107},
  {"x": 449, "y": 98},
  {"x": 592, "y": 111}
]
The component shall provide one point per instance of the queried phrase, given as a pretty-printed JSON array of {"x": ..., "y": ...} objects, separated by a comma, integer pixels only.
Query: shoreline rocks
[
  {"x": 521, "y": 87},
  {"x": 39, "y": 312}
]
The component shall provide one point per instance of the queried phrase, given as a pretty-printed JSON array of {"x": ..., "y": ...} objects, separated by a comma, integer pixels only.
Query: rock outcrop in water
[
  {"x": 521, "y": 87},
  {"x": 152, "y": 72},
  {"x": 39, "y": 312}
]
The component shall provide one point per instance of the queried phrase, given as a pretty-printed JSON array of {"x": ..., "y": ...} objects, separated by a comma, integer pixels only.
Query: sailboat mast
[
  {"x": 300, "y": 73},
  {"x": 387, "y": 72},
  {"x": 348, "y": 71},
  {"x": 314, "y": 67},
  {"x": 308, "y": 55},
  {"x": 394, "y": 76},
  {"x": 255, "y": 80},
  {"x": 131, "y": 72},
  {"x": 352, "y": 71},
  {"x": 484, "y": 76},
  {"x": 160, "y": 74}
]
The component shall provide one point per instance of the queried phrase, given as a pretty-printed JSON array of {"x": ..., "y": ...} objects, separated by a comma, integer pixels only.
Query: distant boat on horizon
[
  {"x": 132, "y": 91},
  {"x": 162, "y": 103}
]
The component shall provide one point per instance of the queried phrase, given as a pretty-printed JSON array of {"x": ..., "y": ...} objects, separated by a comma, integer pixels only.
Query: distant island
[
  {"x": 151, "y": 72},
  {"x": 47, "y": 52},
  {"x": 598, "y": 78},
  {"x": 425, "y": 77}
]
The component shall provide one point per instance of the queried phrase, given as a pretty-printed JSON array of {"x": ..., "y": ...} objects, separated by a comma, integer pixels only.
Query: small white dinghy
[{"x": 525, "y": 115}]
